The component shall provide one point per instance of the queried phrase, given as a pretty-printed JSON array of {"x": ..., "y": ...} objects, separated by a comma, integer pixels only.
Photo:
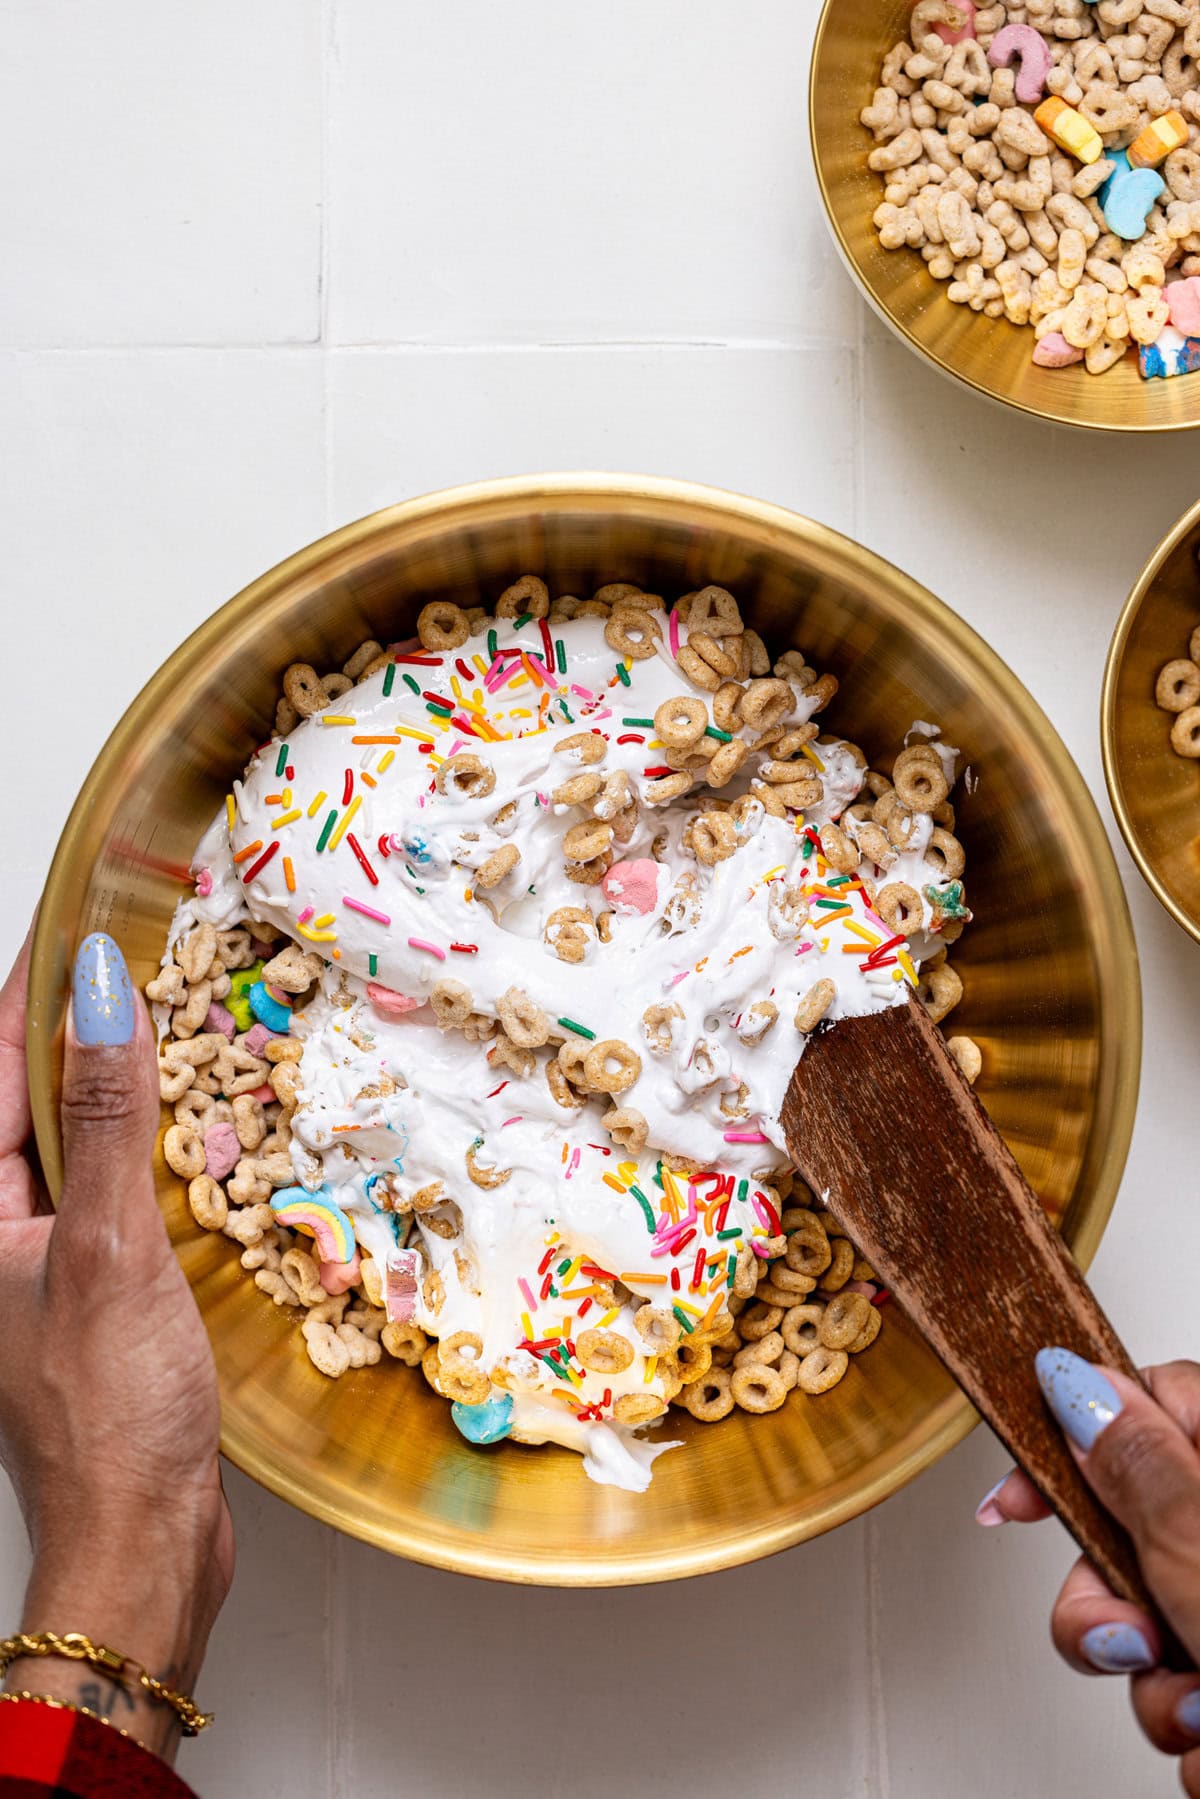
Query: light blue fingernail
[
  {"x": 102, "y": 994},
  {"x": 1187, "y": 1712},
  {"x": 1117, "y": 1649},
  {"x": 1082, "y": 1400}
]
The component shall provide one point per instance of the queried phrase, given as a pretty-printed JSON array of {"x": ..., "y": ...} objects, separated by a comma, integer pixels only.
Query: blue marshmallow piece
[
  {"x": 1171, "y": 354},
  {"x": 486, "y": 1423},
  {"x": 267, "y": 1009},
  {"x": 1128, "y": 195}
]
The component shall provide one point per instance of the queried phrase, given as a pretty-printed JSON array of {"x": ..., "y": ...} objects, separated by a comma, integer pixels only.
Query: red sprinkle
[
  {"x": 722, "y": 1214},
  {"x": 632, "y": 737},
  {"x": 425, "y": 749},
  {"x": 656, "y": 772},
  {"x": 698, "y": 1270},
  {"x": 257, "y": 867},
  {"x": 546, "y": 1261},
  {"x": 547, "y": 645},
  {"x": 385, "y": 845},
  {"x": 466, "y": 949},
  {"x": 359, "y": 851},
  {"x": 468, "y": 674},
  {"x": 607, "y": 1400},
  {"x": 596, "y": 1274},
  {"x": 682, "y": 1242},
  {"x": 675, "y": 1279},
  {"x": 499, "y": 1089},
  {"x": 772, "y": 1214},
  {"x": 438, "y": 699},
  {"x": 289, "y": 773},
  {"x": 348, "y": 787},
  {"x": 585, "y": 1307},
  {"x": 881, "y": 1298},
  {"x": 545, "y": 1293},
  {"x": 421, "y": 661}
]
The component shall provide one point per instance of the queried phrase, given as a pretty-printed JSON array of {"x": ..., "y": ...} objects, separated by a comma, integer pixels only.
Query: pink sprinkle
[
  {"x": 802, "y": 949},
  {"x": 673, "y": 630},
  {"x": 607, "y": 713},
  {"x": 872, "y": 918},
  {"x": 763, "y": 1215},
  {"x": 367, "y": 911},
  {"x": 585, "y": 693},
  {"x": 543, "y": 797},
  {"x": 574, "y": 1163},
  {"x": 530, "y": 1301},
  {"x": 304, "y": 916},
  {"x": 760, "y": 1249},
  {"x": 222, "y": 1151},
  {"x": 420, "y": 943},
  {"x": 455, "y": 746},
  {"x": 204, "y": 883},
  {"x": 745, "y": 1137},
  {"x": 680, "y": 977},
  {"x": 509, "y": 1121}
]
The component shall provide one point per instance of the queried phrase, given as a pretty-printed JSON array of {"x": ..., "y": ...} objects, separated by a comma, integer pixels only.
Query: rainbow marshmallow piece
[{"x": 316, "y": 1215}]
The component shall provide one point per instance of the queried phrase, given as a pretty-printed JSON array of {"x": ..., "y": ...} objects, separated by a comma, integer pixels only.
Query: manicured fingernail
[
  {"x": 987, "y": 1512},
  {"x": 1082, "y": 1400},
  {"x": 1187, "y": 1712},
  {"x": 1117, "y": 1649},
  {"x": 103, "y": 995}
]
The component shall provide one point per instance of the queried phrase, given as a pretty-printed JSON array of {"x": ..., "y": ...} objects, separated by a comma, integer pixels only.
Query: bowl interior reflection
[{"x": 1049, "y": 966}]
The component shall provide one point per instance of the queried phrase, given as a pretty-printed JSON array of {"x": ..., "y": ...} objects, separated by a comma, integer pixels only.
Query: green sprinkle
[
  {"x": 560, "y": 655},
  {"x": 389, "y": 679},
  {"x": 281, "y": 764},
  {"x": 563, "y": 1266},
  {"x": 441, "y": 710},
  {"x": 581, "y": 1030},
  {"x": 492, "y": 646},
  {"x": 647, "y": 723},
  {"x": 683, "y": 1318},
  {"x": 554, "y": 1292},
  {"x": 326, "y": 828},
  {"x": 743, "y": 1189},
  {"x": 623, "y": 673},
  {"x": 646, "y": 1208},
  {"x": 415, "y": 685},
  {"x": 735, "y": 1230},
  {"x": 658, "y": 1179},
  {"x": 372, "y": 964},
  {"x": 837, "y": 881},
  {"x": 731, "y": 1270},
  {"x": 721, "y": 736},
  {"x": 520, "y": 623},
  {"x": 566, "y": 713},
  {"x": 829, "y": 905}
]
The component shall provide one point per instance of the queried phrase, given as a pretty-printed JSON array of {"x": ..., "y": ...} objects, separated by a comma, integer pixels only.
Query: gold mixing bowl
[
  {"x": 1051, "y": 996},
  {"x": 989, "y": 355},
  {"x": 1155, "y": 793}
]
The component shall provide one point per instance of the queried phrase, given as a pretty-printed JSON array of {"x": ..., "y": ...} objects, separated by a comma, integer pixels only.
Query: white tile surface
[{"x": 567, "y": 237}]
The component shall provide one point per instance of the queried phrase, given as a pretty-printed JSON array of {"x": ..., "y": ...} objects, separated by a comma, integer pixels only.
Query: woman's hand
[
  {"x": 1140, "y": 1453},
  {"x": 109, "y": 1417}
]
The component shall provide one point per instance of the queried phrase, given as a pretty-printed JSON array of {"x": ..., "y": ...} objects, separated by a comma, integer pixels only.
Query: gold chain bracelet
[{"x": 78, "y": 1648}]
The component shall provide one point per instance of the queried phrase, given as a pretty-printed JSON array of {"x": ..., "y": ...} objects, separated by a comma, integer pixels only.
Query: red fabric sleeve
[{"x": 49, "y": 1753}]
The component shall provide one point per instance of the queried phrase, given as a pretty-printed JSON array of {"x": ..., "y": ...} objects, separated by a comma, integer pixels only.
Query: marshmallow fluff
[{"x": 368, "y": 838}]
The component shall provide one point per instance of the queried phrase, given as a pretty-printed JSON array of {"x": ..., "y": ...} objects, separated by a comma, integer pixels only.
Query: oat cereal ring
[
  {"x": 658, "y": 1026},
  {"x": 283, "y": 1049},
  {"x": 611, "y": 1066},
  {"x": 578, "y": 791},
  {"x": 944, "y": 848},
  {"x": 899, "y": 906},
  {"x": 712, "y": 838},
  {"x": 714, "y": 607},
  {"x": 821, "y": 1369},
  {"x": 681, "y": 721},
  {"x": 569, "y": 931},
  {"x": 809, "y": 1252},
  {"x": 293, "y": 969},
  {"x": 485, "y": 1177},
  {"x": 814, "y": 1005},
  {"x": 766, "y": 1350},
  {"x": 868, "y": 1333},
  {"x": 845, "y": 1317},
  {"x": 526, "y": 595},
  {"x": 699, "y": 672},
  {"x": 787, "y": 1280},
  {"x": 939, "y": 989},
  {"x": 758, "y": 1320},
  {"x": 207, "y": 1203},
  {"x": 183, "y": 1150},
  {"x": 603, "y": 1352},
  {"x": 920, "y": 779},
  {"x": 1177, "y": 688},
  {"x": 407, "y": 1342},
  {"x": 840, "y": 853},
  {"x": 196, "y": 1109},
  {"x": 303, "y": 689},
  {"x": 841, "y": 1268},
  {"x": 590, "y": 874},
  {"x": 326, "y": 1351},
  {"x": 300, "y": 1272},
  {"x": 626, "y": 1126},
  {"x": 632, "y": 632},
  {"x": 335, "y": 686},
  {"x": 967, "y": 1054},
  {"x": 613, "y": 593},
  {"x": 169, "y": 986},
  {"x": 465, "y": 775},
  {"x": 666, "y": 788},
  {"x": 461, "y": 1376},
  {"x": 572, "y": 1056},
  {"x": 726, "y": 705},
  {"x": 587, "y": 840},
  {"x": 757, "y": 1388},
  {"x": 710, "y": 1398},
  {"x": 725, "y": 762},
  {"x": 638, "y": 1408},
  {"x": 767, "y": 702},
  {"x": 500, "y": 863},
  {"x": 1185, "y": 733},
  {"x": 583, "y": 746},
  {"x": 658, "y": 1328},
  {"x": 249, "y": 1121},
  {"x": 800, "y": 1328},
  {"x": 526, "y": 1023},
  {"x": 756, "y": 1021},
  {"x": 285, "y": 1081},
  {"x": 196, "y": 952},
  {"x": 360, "y": 662},
  {"x": 442, "y": 625},
  {"x": 452, "y": 1003}
]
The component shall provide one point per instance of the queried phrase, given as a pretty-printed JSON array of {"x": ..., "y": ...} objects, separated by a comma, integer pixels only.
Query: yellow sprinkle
[
  {"x": 897, "y": 974},
  {"x": 337, "y": 719},
  {"x": 572, "y": 1271},
  {"x": 386, "y": 760},
  {"x": 905, "y": 961},
  {"x": 317, "y": 936},
  {"x": 317, "y": 804},
  {"x": 772, "y": 872},
  {"x": 480, "y": 664},
  {"x": 521, "y": 680},
  {"x": 627, "y": 1170},
  {"x": 608, "y": 1317},
  {"x": 527, "y": 1327},
  {"x": 520, "y": 712},
  {"x": 454, "y": 683},
  {"x": 230, "y": 810},
  {"x": 347, "y": 815},
  {"x": 289, "y": 818},
  {"x": 808, "y": 750},
  {"x": 862, "y": 931},
  {"x": 651, "y": 1366},
  {"x": 694, "y": 1310},
  {"x": 326, "y": 918}
]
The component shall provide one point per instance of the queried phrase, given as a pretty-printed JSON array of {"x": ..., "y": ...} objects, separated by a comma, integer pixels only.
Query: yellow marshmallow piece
[
  {"x": 1069, "y": 129},
  {"x": 1159, "y": 138}
]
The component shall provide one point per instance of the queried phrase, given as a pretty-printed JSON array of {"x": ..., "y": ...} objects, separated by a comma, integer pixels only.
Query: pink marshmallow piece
[
  {"x": 339, "y": 1277},
  {"x": 257, "y": 1038},
  {"x": 219, "y": 1018},
  {"x": 400, "y": 1288},
  {"x": 204, "y": 882},
  {"x": 1029, "y": 49},
  {"x": 1183, "y": 304},
  {"x": 222, "y": 1151},
  {"x": 947, "y": 35},
  {"x": 388, "y": 1000},
  {"x": 266, "y": 1094},
  {"x": 632, "y": 886},
  {"x": 1054, "y": 352}
]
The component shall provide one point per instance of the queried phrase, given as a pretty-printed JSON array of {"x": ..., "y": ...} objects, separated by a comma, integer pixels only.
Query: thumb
[
  {"x": 110, "y": 1103},
  {"x": 1144, "y": 1468}
]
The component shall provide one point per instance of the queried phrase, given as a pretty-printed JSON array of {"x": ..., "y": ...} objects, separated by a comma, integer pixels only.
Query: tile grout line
[
  {"x": 328, "y": 43},
  {"x": 878, "y": 1772},
  {"x": 859, "y": 366},
  {"x": 436, "y": 347}
]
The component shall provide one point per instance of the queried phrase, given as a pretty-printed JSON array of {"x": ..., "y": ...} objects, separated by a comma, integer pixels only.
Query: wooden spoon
[{"x": 882, "y": 1125}]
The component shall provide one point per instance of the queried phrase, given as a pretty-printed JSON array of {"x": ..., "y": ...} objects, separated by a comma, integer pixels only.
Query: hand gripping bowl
[
  {"x": 1051, "y": 996},
  {"x": 990, "y": 355}
]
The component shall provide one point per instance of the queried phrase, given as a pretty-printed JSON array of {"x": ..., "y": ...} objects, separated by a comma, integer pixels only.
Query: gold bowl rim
[
  {"x": 1113, "y": 426},
  {"x": 1108, "y": 716},
  {"x": 1116, "y": 957}
]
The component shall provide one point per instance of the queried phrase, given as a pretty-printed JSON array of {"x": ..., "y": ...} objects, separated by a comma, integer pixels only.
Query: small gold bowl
[
  {"x": 990, "y": 355},
  {"x": 1049, "y": 965},
  {"x": 1155, "y": 793}
]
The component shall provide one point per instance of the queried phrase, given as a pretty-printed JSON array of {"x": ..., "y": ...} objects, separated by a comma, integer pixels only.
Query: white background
[{"x": 270, "y": 264}]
